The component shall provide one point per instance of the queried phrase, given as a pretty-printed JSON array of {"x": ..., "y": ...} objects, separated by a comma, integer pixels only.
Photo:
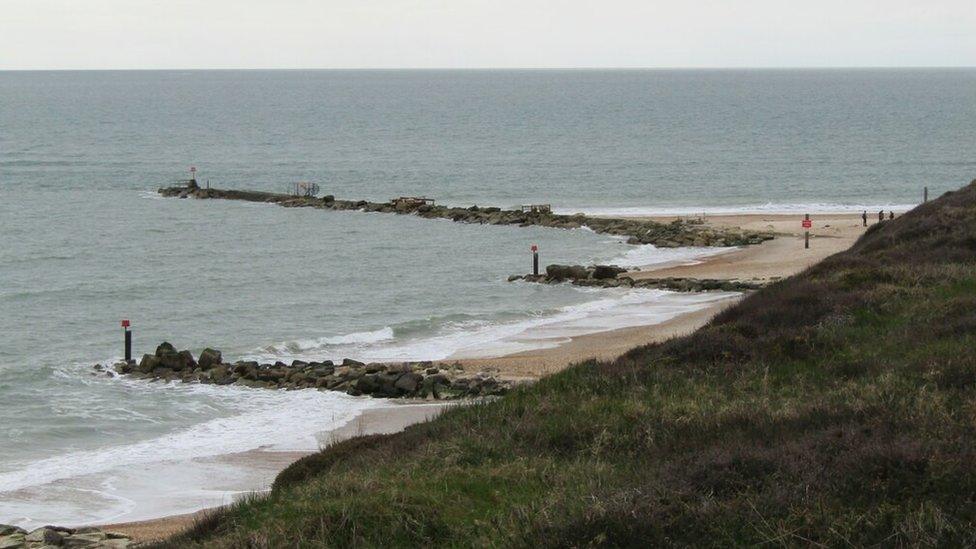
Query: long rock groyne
[
  {"x": 678, "y": 233},
  {"x": 612, "y": 276},
  {"x": 417, "y": 380}
]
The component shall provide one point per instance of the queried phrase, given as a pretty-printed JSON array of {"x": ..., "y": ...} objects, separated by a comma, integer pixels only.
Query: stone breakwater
[
  {"x": 612, "y": 276},
  {"x": 423, "y": 380},
  {"x": 12, "y": 537},
  {"x": 679, "y": 233}
]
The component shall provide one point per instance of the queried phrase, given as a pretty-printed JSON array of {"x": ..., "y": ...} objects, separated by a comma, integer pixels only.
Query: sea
[{"x": 85, "y": 241}]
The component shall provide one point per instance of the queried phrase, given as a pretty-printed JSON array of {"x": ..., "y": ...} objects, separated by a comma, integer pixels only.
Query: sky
[{"x": 187, "y": 34}]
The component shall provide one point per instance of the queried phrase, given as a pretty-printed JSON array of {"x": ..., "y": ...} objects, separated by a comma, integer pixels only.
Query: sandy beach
[
  {"x": 778, "y": 258},
  {"x": 771, "y": 260}
]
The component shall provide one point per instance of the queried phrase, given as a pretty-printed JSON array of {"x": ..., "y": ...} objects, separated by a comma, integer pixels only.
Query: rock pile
[
  {"x": 678, "y": 233},
  {"x": 610, "y": 276},
  {"x": 401, "y": 380},
  {"x": 12, "y": 537}
]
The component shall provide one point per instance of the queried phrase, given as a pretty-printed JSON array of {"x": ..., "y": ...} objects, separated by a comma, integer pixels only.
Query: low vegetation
[{"x": 836, "y": 407}]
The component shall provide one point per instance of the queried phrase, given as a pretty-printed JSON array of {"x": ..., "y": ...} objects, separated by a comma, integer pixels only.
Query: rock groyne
[
  {"x": 678, "y": 233},
  {"x": 424, "y": 380},
  {"x": 612, "y": 276},
  {"x": 12, "y": 537}
]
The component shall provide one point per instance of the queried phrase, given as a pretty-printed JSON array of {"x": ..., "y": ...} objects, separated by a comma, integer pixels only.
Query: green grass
[{"x": 837, "y": 407}]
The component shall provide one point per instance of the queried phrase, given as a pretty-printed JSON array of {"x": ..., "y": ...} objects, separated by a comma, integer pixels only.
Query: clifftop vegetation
[{"x": 836, "y": 407}]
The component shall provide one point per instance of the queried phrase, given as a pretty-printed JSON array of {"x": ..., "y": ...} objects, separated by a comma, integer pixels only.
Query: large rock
[
  {"x": 408, "y": 382},
  {"x": 7, "y": 530},
  {"x": 45, "y": 535},
  {"x": 566, "y": 272},
  {"x": 169, "y": 357},
  {"x": 601, "y": 272},
  {"x": 368, "y": 384},
  {"x": 165, "y": 348},
  {"x": 148, "y": 363},
  {"x": 13, "y": 541},
  {"x": 209, "y": 358}
]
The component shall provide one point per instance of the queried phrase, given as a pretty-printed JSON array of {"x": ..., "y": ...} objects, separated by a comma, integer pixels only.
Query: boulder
[
  {"x": 92, "y": 539},
  {"x": 8, "y": 530},
  {"x": 165, "y": 348},
  {"x": 352, "y": 363},
  {"x": 564, "y": 272},
  {"x": 210, "y": 358},
  {"x": 13, "y": 541},
  {"x": 408, "y": 382},
  {"x": 387, "y": 384},
  {"x": 602, "y": 272},
  {"x": 148, "y": 363},
  {"x": 185, "y": 361},
  {"x": 45, "y": 535},
  {"x": 367, "y": 384}
]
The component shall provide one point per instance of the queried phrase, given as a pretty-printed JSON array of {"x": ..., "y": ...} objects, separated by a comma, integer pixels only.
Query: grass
[{"x": 837, "y": 407}]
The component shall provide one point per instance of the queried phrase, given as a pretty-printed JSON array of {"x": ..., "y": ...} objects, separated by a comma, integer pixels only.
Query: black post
[
  {"x": 128, "y": 346},
  {"x": 806, "y": 243},
  {"x": 925, "y": 194},
  {"x": 535, "y": 263}
]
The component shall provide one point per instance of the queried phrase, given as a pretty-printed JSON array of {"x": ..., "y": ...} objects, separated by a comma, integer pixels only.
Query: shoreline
[
  {"x": 773, "y": 259},
  {"x": 399, "y": 414}
]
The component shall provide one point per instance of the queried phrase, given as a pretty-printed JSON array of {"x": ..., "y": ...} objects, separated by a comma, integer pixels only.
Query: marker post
[
  {"x": 806, "y": 225},
  {"x": 535, "y": 260},
  {"x": 128, "y": 341}
]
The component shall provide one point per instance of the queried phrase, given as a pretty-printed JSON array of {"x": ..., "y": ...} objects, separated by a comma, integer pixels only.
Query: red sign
[
  {"x": 535, "y": 248},
  {"x": 807, "y": 223},
  {"x": 193, "y": 169},
  {"x": 125, "y": 323}
]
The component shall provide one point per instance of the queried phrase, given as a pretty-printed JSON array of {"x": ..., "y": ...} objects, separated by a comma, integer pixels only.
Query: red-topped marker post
[
  {"x": 807, "y": 224},
  {"x": 535, "y": 260},
  {"x": 128, "y": 341}
]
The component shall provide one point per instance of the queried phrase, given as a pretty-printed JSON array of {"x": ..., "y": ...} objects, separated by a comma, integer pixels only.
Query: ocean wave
[
  {"x": 646, "y": 255},
  {"x": 355, "y": 338},
  {"x": 613, "y": 309},
  {"x": 768, "y": 208},
  {"x": 267, "y": 421}
]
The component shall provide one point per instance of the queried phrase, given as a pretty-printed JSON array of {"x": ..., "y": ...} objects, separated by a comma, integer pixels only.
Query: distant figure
[
  {"x": 880, "y": 216},
  {"x": 891, "y": 214},
  {"x": 864, "y": 218}
]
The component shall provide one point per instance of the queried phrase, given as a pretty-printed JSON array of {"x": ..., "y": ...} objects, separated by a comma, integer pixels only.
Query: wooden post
[
  {"x": 535, "y": 260},
  {"x": 925, "y": 194}
]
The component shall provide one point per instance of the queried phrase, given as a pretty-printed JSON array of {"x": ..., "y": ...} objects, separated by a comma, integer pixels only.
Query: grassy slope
[{"x": 835, "y": 407}]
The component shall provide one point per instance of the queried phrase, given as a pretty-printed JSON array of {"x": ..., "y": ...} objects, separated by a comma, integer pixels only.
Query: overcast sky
[{"x": 148, "y": 34}]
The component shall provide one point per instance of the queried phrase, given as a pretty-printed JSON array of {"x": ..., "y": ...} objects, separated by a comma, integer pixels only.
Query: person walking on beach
[
  {"x": 891, "y": 214},
  {"x": 880, "y": 216},
  {"x": 864, "y": 218}
]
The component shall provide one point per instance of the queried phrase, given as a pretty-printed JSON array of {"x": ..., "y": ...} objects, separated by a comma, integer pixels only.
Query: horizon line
[{"x": 504, "y": 68}]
